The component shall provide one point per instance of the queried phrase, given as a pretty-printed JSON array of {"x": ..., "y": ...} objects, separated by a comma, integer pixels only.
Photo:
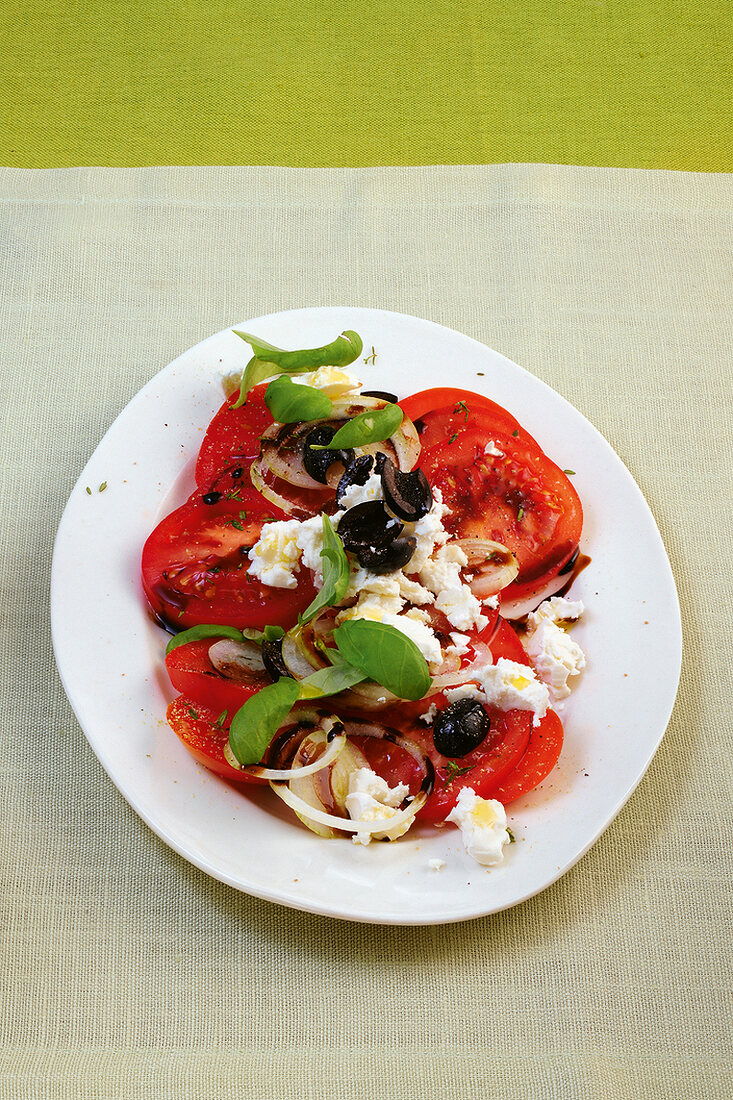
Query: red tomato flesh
[
  {"x": 194, "y": 567},
  {"x": 519, "y": 498},
  {"x": 543, "y": 751},
  {"x": 192, "y": 674},
  {"x": 233, "y": 436},
  {"x": 199, "y": 729}
]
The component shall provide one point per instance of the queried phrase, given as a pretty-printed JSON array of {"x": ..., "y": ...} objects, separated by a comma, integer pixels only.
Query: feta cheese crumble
[
  {"x": 555, "y": 656},
  {"x": 482, "y": 823},
  {"x": 492, "y": 449},
  {"x": 506, "y": 685},
  {"x": 333, "y": 381},
  {"x": 370, "y": 798}
]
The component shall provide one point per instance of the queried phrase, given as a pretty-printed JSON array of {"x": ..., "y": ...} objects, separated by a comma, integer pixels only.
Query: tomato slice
[
  {"x": 519, "y": 498},
  {"x": 439, "y": 414},
  {"x": 483, "y": 769},
  {"x": 200, "y": 730},
  {"x": 543, "y": 751},
  {"x": 233, "y": 436},
  {"x": 194, "y": 567},
  {"x": 192, "y": 674}
]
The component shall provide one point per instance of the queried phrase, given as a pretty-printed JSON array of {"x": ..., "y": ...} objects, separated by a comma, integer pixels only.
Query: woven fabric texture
[
  {"x": 631, "y": 83},
  {"x": 128, "y": 973}
]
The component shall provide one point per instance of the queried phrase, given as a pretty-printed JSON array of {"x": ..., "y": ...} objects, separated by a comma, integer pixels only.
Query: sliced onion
[
  {"x": 300, "y": 655},
  {"x": 236, "y": 660},
  {"x": 481, "y": 661},
  {"x": 492, "y": 564},
  {"x": 518, "y": 608},
  {"x": 334, "y": 749},
  {"x": 259, "y": 472},
  {"x": 345, "y": 824}
]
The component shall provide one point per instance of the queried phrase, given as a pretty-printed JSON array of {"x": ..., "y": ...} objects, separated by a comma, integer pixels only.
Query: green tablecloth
[
  {"x": 128, "y": 973},
  {"x": 635, "y": 83}
]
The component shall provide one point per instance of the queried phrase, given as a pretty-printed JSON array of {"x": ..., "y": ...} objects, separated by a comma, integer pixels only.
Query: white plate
[{"x": 109, "y": 653}]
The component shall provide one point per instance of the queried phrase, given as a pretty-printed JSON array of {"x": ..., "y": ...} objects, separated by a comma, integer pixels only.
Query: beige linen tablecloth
[{"x": 128, "y": 973}]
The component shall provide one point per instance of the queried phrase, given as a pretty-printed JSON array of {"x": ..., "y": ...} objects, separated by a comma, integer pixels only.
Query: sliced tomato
[
  {"x": 519, "y": 498},
  {"x": 543, "y": 751},
  {"x": 483, "y": 769},
  {"x": 204, "y": 734},
  {"x": 194, "y": 567},
  {"x": 440, "y": 414},
  {"x": 192, "y": 674},
  {"x": 233, "y": 437}
]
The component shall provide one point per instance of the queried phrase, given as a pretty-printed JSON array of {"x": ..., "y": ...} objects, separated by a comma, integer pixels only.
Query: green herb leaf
[
  {"x": 452, "y": 770},
  {"x": 520, "y": 515},
  {"x": 257, "y": 721},
  {"x": 204, "y": 630},
  {"x": 335, "y": 573},
  {"x": 290, "y": 403},
  {"x": 269, "y": 634},
  {"x": 367, "y": 427},
  {"x": 515, "y": 433},
  {"x": 330, "y": 681},
  {"x": 384, "y": 654},
  {"x": 221, "y": 719},
  {"x": 269, "y": 360},
  {"x": 453, "y": 438},
  {"x": 570, "y": 472}
]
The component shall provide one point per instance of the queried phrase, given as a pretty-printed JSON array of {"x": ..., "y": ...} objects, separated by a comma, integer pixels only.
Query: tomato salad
[{"x": 340, "y": 585}]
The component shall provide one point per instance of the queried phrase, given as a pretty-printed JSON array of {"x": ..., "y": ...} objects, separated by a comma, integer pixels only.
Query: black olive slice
[
  {"x": 408, "y": 494},
  {"x": 272, "y": 659},
  {"x": 387, "y": 559},
  {"x": 381, "y": 394},
  {"x": 368, "y": 524},
  {"x": 356, "y": 473},
  {"x": 460, "y": 728},
  {"x": 318, "y": 463}
]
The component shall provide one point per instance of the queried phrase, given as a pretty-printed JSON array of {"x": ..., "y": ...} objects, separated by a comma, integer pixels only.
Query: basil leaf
[
  {"x": 330, "y": 681},
  {"x": 367, "y": 427},
  {"x": 290, "y": 403},
  {"x": 386, "y": 655},
  {"x": 258, "y": 720},
  {"x": 336, "y": 573},
  {"x": 343, "y": 350},
  {"x": 203, "y": 631},
  {"x": 269, "y": 634}
]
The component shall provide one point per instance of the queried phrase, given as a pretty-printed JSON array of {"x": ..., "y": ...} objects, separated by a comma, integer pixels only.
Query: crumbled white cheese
[
  {"x": 555, "y": 656},
  {"x": 509, "y": 685},
  {"x": 483, "y": 826},
  {"x": 429, "y": 714},
  {"x": 429, "y": 533},
  {"x": 360, "y": 494},
  {"x": 443, "y": 569},
  {"x": 557, "y": 610},
  {"x": 334, "y": 381},
  {"x": 370, "y": 798},
  {"x": 436, "y": 864},
  {"x": 275, "y": 556},
  {"x": 461, "y": 608},
  {"x": 460, "y": 644},
  {"x": 492, "y": 449},
  {"x": 506, "y": 685},
  {"x": 465, "y": 691}
]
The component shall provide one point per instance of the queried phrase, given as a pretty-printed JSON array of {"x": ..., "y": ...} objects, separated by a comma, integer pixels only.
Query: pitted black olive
[
  {"x": 460, "y": 728},
  {"x": 318, "y": 463},
  {"x": 368, "y": 525},
  {"x": 211, "y": 498},
  {"x": 272, "y": 659},
  {"x": 381, "y": 394},
  {"x": 408, "y": 494},
  {"x": 386, "y": 559},
  {"x": 356, "y": 473}
]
